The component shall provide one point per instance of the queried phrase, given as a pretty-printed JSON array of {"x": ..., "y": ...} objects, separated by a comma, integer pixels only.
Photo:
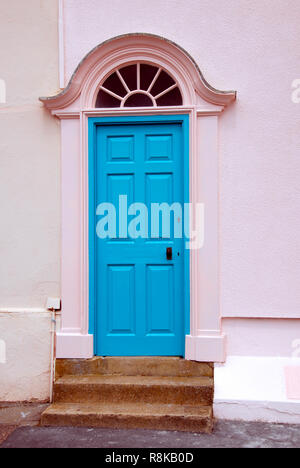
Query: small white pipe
[{"x": 52, "y": 370}]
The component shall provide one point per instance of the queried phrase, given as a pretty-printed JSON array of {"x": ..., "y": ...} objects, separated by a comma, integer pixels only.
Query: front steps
[{"x": 139, "y": 392}]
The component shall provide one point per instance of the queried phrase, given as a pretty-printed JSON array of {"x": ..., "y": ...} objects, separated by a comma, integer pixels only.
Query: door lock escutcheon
[{"x": 169, "y": 253}]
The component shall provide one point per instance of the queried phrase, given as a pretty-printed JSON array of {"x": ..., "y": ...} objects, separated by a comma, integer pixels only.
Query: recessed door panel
[
  {"x": 160, "y": 278},
  {"x": 159, "y": 147},
  {"x": 121, "y": 293},
  {"x": 120, "y": 148}
]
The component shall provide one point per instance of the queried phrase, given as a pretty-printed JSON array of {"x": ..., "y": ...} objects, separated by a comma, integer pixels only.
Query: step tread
[
  {"x": 135, "y": 365},
  {"x": 94, "y": 379},
  {"x": 130, "y": 409}
]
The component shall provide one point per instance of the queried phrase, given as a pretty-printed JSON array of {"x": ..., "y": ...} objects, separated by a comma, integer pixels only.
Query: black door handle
[{"x": 169, "y": 253}]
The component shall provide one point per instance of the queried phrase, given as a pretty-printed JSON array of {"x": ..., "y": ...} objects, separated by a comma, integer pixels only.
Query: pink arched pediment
[{"x": 121, "y": 50}]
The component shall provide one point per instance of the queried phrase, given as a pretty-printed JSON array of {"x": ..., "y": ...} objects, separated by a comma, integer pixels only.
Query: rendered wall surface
[
  {"x": 25, "y": 369},
  {"x": 29, "y": 195},
  {"x": 262, "y": 337}
]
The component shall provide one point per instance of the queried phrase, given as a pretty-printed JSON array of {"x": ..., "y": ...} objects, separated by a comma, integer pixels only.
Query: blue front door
[{"x": 138, "y": 271}]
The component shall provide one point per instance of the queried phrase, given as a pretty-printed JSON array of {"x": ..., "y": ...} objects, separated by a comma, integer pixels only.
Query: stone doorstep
[
  {"x": 130, "y": 416},
  {"x": 155, "y": 366},
  {"x": 162, "y": 393},
  {"x": 143, "y": 389}
]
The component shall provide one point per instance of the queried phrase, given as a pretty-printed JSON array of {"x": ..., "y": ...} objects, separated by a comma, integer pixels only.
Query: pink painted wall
[
  {"x": 252, "y": 47},
  {"x": 262, "y": 337}
]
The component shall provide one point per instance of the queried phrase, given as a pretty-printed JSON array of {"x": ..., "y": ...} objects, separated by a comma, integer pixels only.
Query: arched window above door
[{"x": 139, "y": 85}]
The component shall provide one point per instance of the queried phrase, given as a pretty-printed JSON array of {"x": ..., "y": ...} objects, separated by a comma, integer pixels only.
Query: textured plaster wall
[
  {"x": 25, "y": 372},
  {"x": 29, "y": 149},
  {"x": 262, "y": 337},
  {"x": 251, "y": 46},
  {"x": 29, "y": 195}
]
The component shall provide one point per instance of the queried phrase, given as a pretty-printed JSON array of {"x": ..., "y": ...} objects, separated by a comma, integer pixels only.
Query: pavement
[
  {"x": 227, "y": 434},
  {"x": 21, "y": 414},
  {"x": 19, "y": 428},
  {"x": 5, "y": 431},
  {"x": 14, "y": 415}
]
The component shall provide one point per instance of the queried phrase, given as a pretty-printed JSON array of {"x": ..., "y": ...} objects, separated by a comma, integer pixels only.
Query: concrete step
[
  {"x": 167, "y": 393},
  {"x": 130, "y": 416},
  {"x": 164, "y": 366},
  {"x": 134, "y": 389}
]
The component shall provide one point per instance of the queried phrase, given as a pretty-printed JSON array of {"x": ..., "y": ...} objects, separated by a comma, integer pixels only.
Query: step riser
[
  {"x": 171, "y": 423},
  {"x": 127, "y": 393},
  {"x": 133, "y": 366}
]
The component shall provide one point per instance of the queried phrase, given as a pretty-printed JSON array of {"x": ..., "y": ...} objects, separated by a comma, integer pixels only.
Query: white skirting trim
[{"x": 255, "y": 389}]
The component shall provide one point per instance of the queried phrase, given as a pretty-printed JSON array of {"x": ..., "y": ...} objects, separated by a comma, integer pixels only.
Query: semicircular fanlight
[{"x": 139, "y": 85}]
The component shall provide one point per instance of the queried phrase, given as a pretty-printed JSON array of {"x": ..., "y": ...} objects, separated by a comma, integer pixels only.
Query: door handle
[{"x": 169, "y": 253}]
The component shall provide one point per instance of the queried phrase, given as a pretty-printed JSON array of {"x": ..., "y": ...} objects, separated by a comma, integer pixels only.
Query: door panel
[
  {"x": 160, "y": 278},
  {"x": 121, "y": 292},
  {"x": 139, "y": 297}
]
